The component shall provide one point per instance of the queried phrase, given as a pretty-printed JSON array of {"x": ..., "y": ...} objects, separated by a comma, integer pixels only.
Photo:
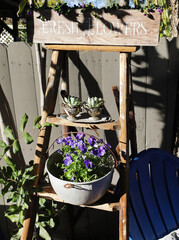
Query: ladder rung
[
  {"x": 107, "y": 203},
  {"x": 112, "y": 125}
]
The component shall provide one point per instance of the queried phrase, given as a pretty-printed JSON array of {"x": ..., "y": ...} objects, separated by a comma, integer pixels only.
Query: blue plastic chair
[{"x": 154, "y": 194}]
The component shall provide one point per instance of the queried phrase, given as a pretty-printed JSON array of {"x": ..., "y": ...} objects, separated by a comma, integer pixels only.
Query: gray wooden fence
[{"x": 155, "y": 73}]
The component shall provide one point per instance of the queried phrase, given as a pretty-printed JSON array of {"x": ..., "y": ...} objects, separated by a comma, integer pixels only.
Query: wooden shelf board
[
  {"x": 91, "y": 48},
  {"x": 107, "y": 203},
  {"x": 113, "y": 125}
]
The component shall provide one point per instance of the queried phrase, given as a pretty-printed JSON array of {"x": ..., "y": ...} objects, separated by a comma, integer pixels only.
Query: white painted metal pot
[{"x": 77, "y": 193}]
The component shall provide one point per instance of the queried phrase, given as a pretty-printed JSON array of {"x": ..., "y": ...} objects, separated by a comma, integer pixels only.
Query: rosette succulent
[
  {"x": 94, "y": 106},
  {"x": 72, "y": 106},
  {"x": 93, "y": 102},
  {"x": 72, "y": 102}
]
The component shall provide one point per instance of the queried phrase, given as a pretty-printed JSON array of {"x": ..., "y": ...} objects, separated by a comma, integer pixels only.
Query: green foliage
[
  {"x": 18, "y": 184},
  {"x": 22, "y": 6},
  {"x": 83, "y": 160}
]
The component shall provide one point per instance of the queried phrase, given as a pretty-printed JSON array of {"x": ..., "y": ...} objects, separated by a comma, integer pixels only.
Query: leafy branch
[{"x": 18, "y": 184}]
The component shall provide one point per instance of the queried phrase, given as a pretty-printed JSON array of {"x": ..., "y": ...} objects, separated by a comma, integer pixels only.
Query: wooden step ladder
[{"x": 126, "y": 116}]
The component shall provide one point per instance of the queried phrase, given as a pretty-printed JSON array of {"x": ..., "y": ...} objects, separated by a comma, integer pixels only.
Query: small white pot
[{"x": 77, "y": 193}]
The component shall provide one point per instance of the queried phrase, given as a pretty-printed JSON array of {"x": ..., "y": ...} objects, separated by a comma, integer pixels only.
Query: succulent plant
[
  {"x": 72, "y": 102},
  {"x": 93, "y": 102}
]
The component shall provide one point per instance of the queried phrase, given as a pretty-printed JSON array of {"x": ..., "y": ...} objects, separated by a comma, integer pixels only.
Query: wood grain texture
[
  {"x": 91, "y": 48},
  {"x": 113, "y": 125},
  {"x": 105, "y": 204},
  {"x": 23, "y": 91},
  {"x": 115, "y": 27}
]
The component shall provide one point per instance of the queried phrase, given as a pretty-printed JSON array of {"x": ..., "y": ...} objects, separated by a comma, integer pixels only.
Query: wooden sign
[{"x": 118, "y": 27}]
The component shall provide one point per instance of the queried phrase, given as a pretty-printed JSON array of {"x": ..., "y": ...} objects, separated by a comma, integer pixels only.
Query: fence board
[
  {"x": 110, "y": 77},
  {"x": 91, "y": 77},
  {"x": 22, "y": 80},
  {"x": 139, "y": 79},
  {"x": 171, "y": 94},
  {"x": 156, "y": 94},
  {"x": 6, "y": 113}
]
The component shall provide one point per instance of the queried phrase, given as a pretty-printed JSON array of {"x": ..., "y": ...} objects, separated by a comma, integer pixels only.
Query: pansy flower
[
  {"x": 88, "y": 164},
  {"x": 91, "y": 141},
  {"x": 68, "y": 160},
  {"x": 82, "y": 147},
  {"x": 101, "y": 151},
  {"x": 79, "y": 136}
]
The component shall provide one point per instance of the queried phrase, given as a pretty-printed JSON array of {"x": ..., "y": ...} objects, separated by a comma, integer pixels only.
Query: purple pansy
[
  {"x": 107, "y": 146},
  {"x": 59, "y": 140},
  {"x": 101, "y": 151},
  {"x": 91, "y": 141},
  {"x": 94, "y": 151},
  {"x": 73, "y": 143},
  {"x": 82, "y": 147},
  {"x": 79, "y": 136},
  {"x": 88, "y": 164},
  {"x": 73, "y": 178},
  {"x": 160, "y": 10},
  {"x": 68, "y": 140},
  {"x": 60, "y": 152},
  {"x": 68, "y": 160}
]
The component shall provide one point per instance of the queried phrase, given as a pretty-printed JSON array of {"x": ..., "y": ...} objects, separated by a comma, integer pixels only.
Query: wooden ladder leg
[
  {"x": 43, "y": 138},
  {"x": 123, "y": 148}
]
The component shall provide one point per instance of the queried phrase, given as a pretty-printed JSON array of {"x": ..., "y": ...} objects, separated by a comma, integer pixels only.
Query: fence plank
[
  {"x": 171, "y": 92},
  {"x": 22, "y": 80},
  {"x": 91, "y": 77},
  {"x": 139, "y": 79},
  {"x": 6, "y": 118},
  {"x": 110, "y": 76},
  {"x": 156, "y": 95}
]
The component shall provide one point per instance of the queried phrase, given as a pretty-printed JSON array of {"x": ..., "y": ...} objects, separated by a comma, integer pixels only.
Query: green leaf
[
  {"x": 9, "y": 162},
  {"x": 16, "y": 147},
  {"x": 42, "y": 201},
  {"x": 5, "y": 149},
  {"x": 28, "y": 138},
  {"x": 9, "y": 133},
  {"x": 17, "y": 235},
  {"x": 21, "y": 7},
  {"x": 51, "y": 223},
  {"x": 44, "y": 234},
  {"x": 2, "y": 144},
  {"x": 24, "y": 121},
  {"x": 5, "y": 189},
  {"x": 36, "y": 122},
  {"x": 12, "y": 217},
  {"x": 47, "y": 124},
  {"x": 19, "y": 200},
  {"x": 12, "y": 208}
]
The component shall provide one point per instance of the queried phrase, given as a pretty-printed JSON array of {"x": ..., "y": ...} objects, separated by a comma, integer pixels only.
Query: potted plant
[
  {"x": 81, "y": 170},
  {"x": 72, "y": 106},
  {"x": 94, "y": 107},
  {"x": 91, "y": 22}
]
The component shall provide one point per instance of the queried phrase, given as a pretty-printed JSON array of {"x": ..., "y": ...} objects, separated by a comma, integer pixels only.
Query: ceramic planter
[
  {"x": 71, "y": 112},
  {"x": 76, "y": 193},
  {"x": 94, "y": 112}
]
